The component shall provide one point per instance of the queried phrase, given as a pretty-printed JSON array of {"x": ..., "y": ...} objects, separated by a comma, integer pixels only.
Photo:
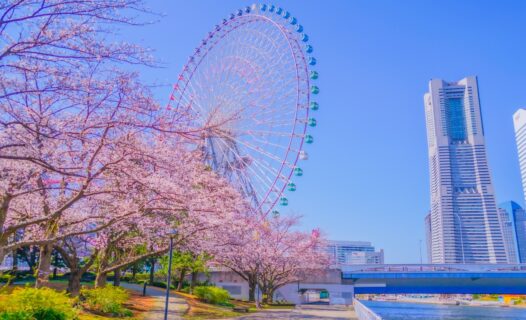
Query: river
[{"x": 418, "y": 311}]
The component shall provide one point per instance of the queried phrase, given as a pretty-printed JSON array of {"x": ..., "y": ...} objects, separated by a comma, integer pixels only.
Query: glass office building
[
  {"x": 464, "y": 222},
  {"x": 513, "y": 221}
]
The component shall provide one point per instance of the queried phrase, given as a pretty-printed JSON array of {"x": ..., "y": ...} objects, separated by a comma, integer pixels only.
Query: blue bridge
[{"x": 436, "y": 279}]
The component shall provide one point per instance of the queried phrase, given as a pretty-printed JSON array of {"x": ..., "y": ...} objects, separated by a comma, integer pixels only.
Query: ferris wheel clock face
[{"x": 250, "y": 84}]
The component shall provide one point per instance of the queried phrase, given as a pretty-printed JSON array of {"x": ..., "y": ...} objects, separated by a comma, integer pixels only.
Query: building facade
[
  {"x": 353, "y": 252},
  {"x": 513, "y": 221},
  {"x": 506, "y": 224},
  {"x": 519, "y": 122},
  {"x": 297, "y": 292},
  {"x": 427, "y": 222},
  {"x": 465, "y": 226}
]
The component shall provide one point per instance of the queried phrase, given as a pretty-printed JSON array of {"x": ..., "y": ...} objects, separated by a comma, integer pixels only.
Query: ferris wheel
[{"x": 249, "y": 84}]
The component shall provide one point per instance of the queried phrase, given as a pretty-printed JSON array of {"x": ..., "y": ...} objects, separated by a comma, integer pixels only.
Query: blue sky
[{"x": 367, "y": 176}]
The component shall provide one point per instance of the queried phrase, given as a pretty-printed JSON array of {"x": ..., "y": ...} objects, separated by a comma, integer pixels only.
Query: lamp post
[
  {"x": 420, "y": 247},
  {"x": 169, "y": 277}
]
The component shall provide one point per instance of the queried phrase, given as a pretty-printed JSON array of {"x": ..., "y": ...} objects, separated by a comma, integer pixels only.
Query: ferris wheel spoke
[
  {"x": 241, "y": 181},
  {"x": 268, "y": 167},
  {"x": 270, "y": 133},
  {"x": 263, "y": 152},
  {"x": 262, "y": 178},
  {"x": 270, "y": 111}
]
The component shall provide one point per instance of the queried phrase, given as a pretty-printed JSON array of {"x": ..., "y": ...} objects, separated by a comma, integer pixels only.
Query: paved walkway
[
  {"x": 306, "y": 312},
  {"x": 177, "y": 305}
]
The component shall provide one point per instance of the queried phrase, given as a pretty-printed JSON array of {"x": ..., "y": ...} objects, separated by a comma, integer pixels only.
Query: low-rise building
[{"x": 353, "y": 252}]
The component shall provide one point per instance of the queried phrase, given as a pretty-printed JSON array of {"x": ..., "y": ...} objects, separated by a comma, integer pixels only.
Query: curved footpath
[{"x": 177, "y": 307}]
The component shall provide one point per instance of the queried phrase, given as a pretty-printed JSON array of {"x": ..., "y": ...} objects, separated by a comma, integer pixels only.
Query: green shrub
[
  {"x": 139, "y": 278},
  {"x": 212, "y": 295},
  {"x": 16, "y": 315},
  {"x": 162, "y": 285},
  {"x": 40, "y": 304},
  {"x": 49, "y": 314},
  {"x": 6, "y": 278},
  {"x": 108, "y": 299}
]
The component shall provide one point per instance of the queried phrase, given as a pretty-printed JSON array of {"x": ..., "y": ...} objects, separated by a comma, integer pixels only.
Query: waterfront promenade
[
  {"x": 324, "y": 312},
  {"x": 178, "y": 308}
]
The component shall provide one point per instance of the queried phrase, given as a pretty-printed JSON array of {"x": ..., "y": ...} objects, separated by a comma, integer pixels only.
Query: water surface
[{"x": 417, "y": 311}]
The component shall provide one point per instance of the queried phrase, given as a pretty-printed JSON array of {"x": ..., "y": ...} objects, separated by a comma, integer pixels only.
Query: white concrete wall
[
  {"x": 237, "y": 290},
  {"x": 338, "y": 293}
]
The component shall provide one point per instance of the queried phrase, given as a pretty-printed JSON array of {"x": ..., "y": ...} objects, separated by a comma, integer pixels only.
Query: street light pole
[
  {"x": 169, "y": 277},
  {"x": 420, "y": 247}
]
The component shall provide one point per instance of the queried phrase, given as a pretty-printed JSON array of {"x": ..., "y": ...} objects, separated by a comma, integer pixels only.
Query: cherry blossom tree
[
  {"x": 271, "y": 253},
  {"x": 287, "y": 254},
  {"x": 70, "y": 119},
  {"x": 240, "y": 254},
  {"x": 79, "y": 256},
  {"x": 193, "y": 199}
]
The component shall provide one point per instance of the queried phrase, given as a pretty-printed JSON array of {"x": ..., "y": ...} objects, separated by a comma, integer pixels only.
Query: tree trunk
[
  {"x": 30, "y": 256},
  {"x": 152, "y": 271},
  {"x": 3, "y": 252},
  {"x": 74, "y": 282},
  {"x": 100, "y": 280},
  {"x": 251, "y": 288},
  {"x": 134, "y": 272},
  {"x": 193, "y": 281},
  {"x": 55, "y": 263},
  {"x": 181, "y": 279},
  {"x": 266, "y": 297},
  {"x": 44, "y": 265},
  {"x": 14, "y": 266},
  {"x": 270, "y": 296},
  {"x": 268, "y": 293},
  {"x": 117, "y": 277}
]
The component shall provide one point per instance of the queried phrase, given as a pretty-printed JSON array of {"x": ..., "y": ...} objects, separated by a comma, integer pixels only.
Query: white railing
[{"x": 363, "y": 312}]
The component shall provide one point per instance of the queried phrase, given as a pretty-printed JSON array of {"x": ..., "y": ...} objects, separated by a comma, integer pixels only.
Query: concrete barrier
[{"x": 363, "y": 312}]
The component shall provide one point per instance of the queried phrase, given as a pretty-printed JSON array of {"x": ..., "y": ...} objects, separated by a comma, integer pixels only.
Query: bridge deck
[{"x": 497, "y": 279}]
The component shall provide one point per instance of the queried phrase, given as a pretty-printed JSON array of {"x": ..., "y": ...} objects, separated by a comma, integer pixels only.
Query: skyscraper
[
  {"x": 465, "y": 226},
  {"x": 508, "y": 234},
  {"x": 519, "y": 122},
  {"x": 513, "y": 220}
]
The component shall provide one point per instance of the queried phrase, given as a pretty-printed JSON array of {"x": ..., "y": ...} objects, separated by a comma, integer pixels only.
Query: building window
[{"x": 456, "y": 124}]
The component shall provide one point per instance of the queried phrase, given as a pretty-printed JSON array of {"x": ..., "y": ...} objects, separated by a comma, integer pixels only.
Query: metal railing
[
  {"x": 434, "y": 268},
  {"x": 363, "y": 312}
]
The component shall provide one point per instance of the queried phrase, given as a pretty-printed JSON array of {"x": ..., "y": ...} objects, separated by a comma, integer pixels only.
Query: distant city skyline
[
  {"x": 464, "y": 222},
  {"x": 345, "y": 252}
]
